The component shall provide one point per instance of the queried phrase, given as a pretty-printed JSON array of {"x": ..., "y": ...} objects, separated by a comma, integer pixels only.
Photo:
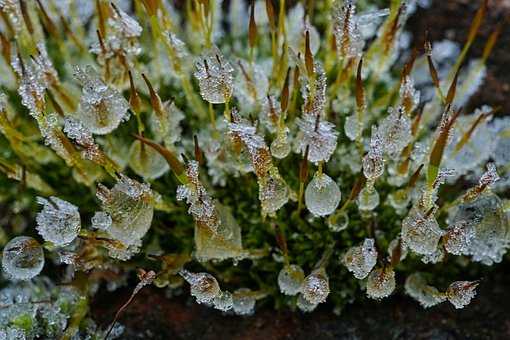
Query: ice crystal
[
  {"x": 280, "y": 147},
  {"x": 290, "y": 279},
  {"x": 203, "y": 286},
  {"x": 347, "y": 34},
  {"x": 395, "y": 132},
  {"x": 315, "y": 287},
  {"x": 460, "y": 293},
  {"x": 421, "y": 232},
  {"x": 418, "y": 289},
  {"x": 130, "y": 206},
  {"x": 243, "y": 301},
  {"x": 22, "y": 258},
  {"x": 373, "y": 163},
  {"x": 458, "y": 237},
  {"x": 273, "y": 193},
  {"x": 59, "y": 221},
  {"x": 102, "y": 108},
  {"x": 381, "y": 283},
  {"x": 32, "y": 84},
  {"x": 322, "y": 195},
  {"x": 361, "y": 259},
  {"x": 215, "y": 77},
  {"x": 201, "y": 205},
  {"x": 223, "y": 301},
  {"x": 321, "y": 138},
  {"x": 101, "y": 220}
]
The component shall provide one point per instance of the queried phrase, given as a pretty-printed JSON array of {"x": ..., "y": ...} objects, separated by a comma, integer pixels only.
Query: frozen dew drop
[
  {"x": 322, "y": 195},
  {"x": 280, "y": 147},
  {"x": 22, "y": 258},
  {"x": 361, "y": 259},
  {"x": 304, "y": 305},
  {"x": 395, "y": 131},
  {"x": 460, "y": 293},
  {"x": 290, "y": 279},
  {"x": 146, "y": 162},
  {"x": 338, "y": 221},
  {"x": 418, "y": 289},
  {"x": 273, "y": 193},
  {"x": 352, "y": 127},
  {"x": 101, "y": 220},
  {"x": 203, "y": 286},
  {"x": 59, "y": 221},
  {"x": 458, "y": 237},
  {"x": 421, "y": 233},
  {"x": 399, "y": 200},
  {"x": 223, "y": 301},
  {"x": 368, "y": 199},
  {"x": 215, "y": 77},
  {"x": 315, "y": 288},
  {"x": 381, "y": 282},
  {"x": 243, "y": 301}
]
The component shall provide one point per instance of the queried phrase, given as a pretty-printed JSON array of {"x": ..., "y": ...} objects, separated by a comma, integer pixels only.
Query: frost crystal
[
  {"x": 243, "y": 301},
  {"x": 458, "y": 238},
  {"x": 421, "y": 232},
  {"x": 101, "y": 221},
  {"x": 381, "y": 283},
  {"x": 315, "y": 288},
  {"x": 201, "y": 205},
  {"x": 215, "y": 77},
  {"x": 395, "y": 132},
  {"x": 273, "y": 193},
  {"x": 322, "y": 195},
  {"x": 130, "y": 206},
  {"x": 32, "y": 84},
  {"x": 347, "y": 34},
  {"x": 460, "y": 293},
  {"x": 290, "y": 279},
  {"x": 426, "y": 295},
  {"x": 22, "y": 258},
  {"x": 59, "y": 221},
  {"x": 204, "y": 286},
  {"x": 361, "y": 259},
  {"x": 101, "y": 108},
  {"x": 223, "y": 301},
  {"x": 321, "y": 138}
]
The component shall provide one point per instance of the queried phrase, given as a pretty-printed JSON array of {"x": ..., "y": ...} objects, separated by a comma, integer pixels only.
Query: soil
[{"x": 154, "y": 316}]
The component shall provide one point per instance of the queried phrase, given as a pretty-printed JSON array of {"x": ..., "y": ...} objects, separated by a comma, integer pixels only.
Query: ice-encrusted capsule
[
  {"x": 223, "y": 301},
  {"x": 486, "y": 216},
  {"x": 373, "y": 163},
  {"x": 203, "y": 286},
  {"x": 315, "y": 288},
  {"x": 418, "y": 289},
  {"x": 59, "y": 221},
  {"x": 22, "y": 258},
  {"x": 304, "y": 305},
  {"x": 421, "y": 232},
  {"x": 101, "y": 220},
  {"x": 393, "y": 250},
  {"x": 349, "y": 41},
  {"x": 215, "y": 77},
  {"x": 322, "y": 195},
  {"x": 458, "y": 237},
  {"x": 251, "y": 84},
  {"x": 320, "y": 138},
  {"x": 165, "y": 123},
  {"x": 201, "y": 205},
  {"x": 273, "y": 193},
  {"x": 146, "y": 162},
  {"x": 361, "y": 259},
  {"x": 280, "y": 146},
  {"x": 290, "y": 279},
  {"x": 368, "y": 199},
  {"x": 130, "y": 206},
  {"x": 460, "y": 293},
  {"x": 102, "y": 108},
  {"x": 381, "y": 282},
  {"x": 395, "y": 131},
  {"x": 243, "y": 301}
]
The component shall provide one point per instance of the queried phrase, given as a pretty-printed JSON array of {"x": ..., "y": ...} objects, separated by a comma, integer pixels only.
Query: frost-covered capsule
[
  {"x": 320, "y": 138},
  {"x": 243, "y": 301},
  {"x": 203, "y": 286},
  {"x": 460, "y": 293},
  {"x": 322, "y": 195},
  {"x": 315, "y": 288},
  {"x": 421, "y": 233},
  {"x": 273, "y": 193},
  {"x": 458, "y": 237},
  {"x": 223, "y": 301},
  {"x": 280, "y": 147},
  {"x": 146, "y": 162},
  {"x": 304, "y": 305},
  {"x": 381, "y": 283},
  {"x": 361, "y": 259},
  {"x": 290, "y": 279},
  {"x": 395, "y": 131},
  {"x": 59, "y": 221},
  {"x": 418, "y": 289},
  {"x": 22, "y": 258},
  {"x": 215, "y": 77}
]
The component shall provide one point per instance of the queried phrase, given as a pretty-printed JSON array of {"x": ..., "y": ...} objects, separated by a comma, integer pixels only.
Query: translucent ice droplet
[
  {"x": 460, "y": 293},
  {"x": 458, "y": 238},
  {"x": 203, "y": 286},
  {"x": 315, "y": 288},
  {"x": 101, "y": 220},
  {"x": 352, "y": 127},
  {"x": 146, "y": 162},
  {"x": 22, "y": 258},
  {"x": 361, "y": 259},
  {"x": 426, "y": 295},
  {"x": 421, "y": 233},
  {"x": 59, "y": 221},
  {"x": 290, "y": 279},
  {"x": 338, "y": 221},
  {"x": 322, "y": 195},
  {"x": 368, "y": 199},
  {"x": 280, "y": 147},
  {"x": 273, "y": 193},
  {"x": 243, "y": 301},
  {"x": 304, "y": 305},
  {"x": 381, "y": 283},
  {"x": 215, "y": 76},
  {"x": 223, "y": 301}
]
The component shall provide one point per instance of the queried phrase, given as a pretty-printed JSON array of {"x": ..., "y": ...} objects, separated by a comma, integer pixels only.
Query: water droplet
[{"x": 23, "y": 258}]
